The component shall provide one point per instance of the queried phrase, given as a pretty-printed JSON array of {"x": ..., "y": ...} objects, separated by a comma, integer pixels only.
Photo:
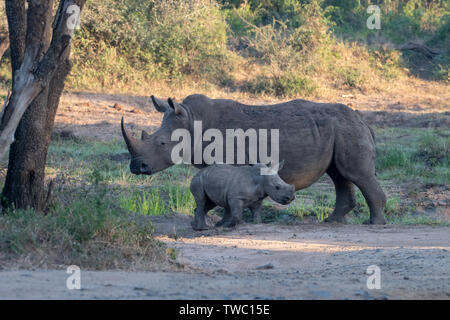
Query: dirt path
[{"x": 308, "y": 261}]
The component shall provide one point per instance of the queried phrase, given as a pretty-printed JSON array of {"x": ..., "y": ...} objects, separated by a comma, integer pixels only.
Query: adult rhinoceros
[{"x": 314, "y": 138}]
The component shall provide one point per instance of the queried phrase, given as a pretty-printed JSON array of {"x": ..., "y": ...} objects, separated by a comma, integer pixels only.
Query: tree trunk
[{"x": 24, "y": 185}]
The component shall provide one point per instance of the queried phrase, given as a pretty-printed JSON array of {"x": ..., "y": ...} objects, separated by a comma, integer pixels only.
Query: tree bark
[
  {"x": 24, "y": 185},
  {"x": 16, "y": 14},
  {"x": 4, "y": 45}
]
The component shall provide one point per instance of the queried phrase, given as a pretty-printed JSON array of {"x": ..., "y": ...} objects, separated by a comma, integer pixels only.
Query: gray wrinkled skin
[
  {"x": 315, "y": 138},
  {"x": 235, "y": 188}
]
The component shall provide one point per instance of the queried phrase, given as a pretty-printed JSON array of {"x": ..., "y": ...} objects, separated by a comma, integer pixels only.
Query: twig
[{"x": 49, "y": 196}]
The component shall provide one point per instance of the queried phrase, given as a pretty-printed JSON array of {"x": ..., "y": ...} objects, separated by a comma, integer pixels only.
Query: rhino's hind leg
[
  {"x": 345, "y": 197},
  {"x": 236, "y": 207},
  {"x": 355, "y": 160},
  {"x": 203, "y": 206},
  {"x": 375, "y": 197},
  {"x": 226, "y": 218}
]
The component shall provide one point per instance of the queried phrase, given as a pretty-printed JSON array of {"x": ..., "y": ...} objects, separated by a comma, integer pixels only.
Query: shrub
[
  {"x": 89, "y": 233},
  {"x": 433, "y": 151},
  {"x": 188, "y": 38},
  {"x": 134, "y": 41},
  {"x": 285, "y": 85}
]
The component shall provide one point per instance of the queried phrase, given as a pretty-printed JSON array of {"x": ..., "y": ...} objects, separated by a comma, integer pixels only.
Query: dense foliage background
[{"x": 276, "y": 47}]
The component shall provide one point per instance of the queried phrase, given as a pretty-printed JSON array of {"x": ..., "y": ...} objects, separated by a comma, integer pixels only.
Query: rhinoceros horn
[{"x": 132, "y": 143}]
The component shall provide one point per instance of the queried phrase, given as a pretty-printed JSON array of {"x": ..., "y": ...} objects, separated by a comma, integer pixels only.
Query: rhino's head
[
  {"x": 152, "y": 153},
  {"x": 276, "y": 188}
]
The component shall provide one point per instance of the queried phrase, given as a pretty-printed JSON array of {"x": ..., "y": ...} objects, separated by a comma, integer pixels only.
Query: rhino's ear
[
  {"x": 160, "y": 105},
  {"x": 280, "y": 166},
  {"x": 176, "y": 106},
  {"x": 144, "y": 135}
]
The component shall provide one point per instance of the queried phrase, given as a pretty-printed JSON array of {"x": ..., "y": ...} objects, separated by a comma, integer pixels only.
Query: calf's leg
[
  {"x": 226, "y": 218},
  {"x": 236, "y": 207},
  {"x": 256, "y": 211}
]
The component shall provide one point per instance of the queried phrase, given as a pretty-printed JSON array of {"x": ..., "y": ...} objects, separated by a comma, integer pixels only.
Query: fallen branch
[
  {"x": 49, "y": 198},
  {"x": 418, "y": 47}
]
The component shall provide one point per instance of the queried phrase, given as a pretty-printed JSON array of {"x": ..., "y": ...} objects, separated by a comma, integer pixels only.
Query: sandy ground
[{"x": 307, "y": 261}]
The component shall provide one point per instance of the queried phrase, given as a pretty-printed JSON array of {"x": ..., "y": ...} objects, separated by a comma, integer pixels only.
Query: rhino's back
[{"x": 291, "y": 115}]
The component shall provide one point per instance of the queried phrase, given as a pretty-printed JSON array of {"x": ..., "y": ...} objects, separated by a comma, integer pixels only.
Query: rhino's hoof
[
  {"x": 377, "y": 220},
  {"x": 197, "y": 227},
  {"x": 219, "y": 223},
  {"x": 335, "y": 219},
  {"x": 231, "y": 223}
]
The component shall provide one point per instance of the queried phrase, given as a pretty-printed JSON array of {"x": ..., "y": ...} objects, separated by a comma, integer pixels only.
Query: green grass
[
  {"x": 421, "y": 154},
  {"x": 148, "y": 203},
  {"x": 180, "y": 199}
]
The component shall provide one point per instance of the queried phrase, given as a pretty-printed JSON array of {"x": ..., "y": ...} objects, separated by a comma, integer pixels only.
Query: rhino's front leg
[
  {"x": 236, "y": 207},
  {"x": 199, "y": 222},
  {"x": 255, "y": 208}
]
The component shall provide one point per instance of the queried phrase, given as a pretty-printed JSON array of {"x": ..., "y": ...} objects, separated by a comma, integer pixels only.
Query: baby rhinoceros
[{"x": 236, "y": 188}]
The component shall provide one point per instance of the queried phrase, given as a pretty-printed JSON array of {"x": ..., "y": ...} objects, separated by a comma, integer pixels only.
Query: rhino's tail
[{"x": 371, "y": 131}]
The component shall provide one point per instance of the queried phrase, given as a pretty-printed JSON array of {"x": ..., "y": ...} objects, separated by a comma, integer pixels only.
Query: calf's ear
[{"x": 160, "y": 105}]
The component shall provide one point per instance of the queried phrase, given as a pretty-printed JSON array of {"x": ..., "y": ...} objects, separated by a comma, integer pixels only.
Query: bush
[
  {"x": 286, "y": 85},
  {"x": 289, "y": 55},
  {"x": 433, "y": 151},
  {"x": 135, "y": 41},
  {"x": 188, "y": 38}
]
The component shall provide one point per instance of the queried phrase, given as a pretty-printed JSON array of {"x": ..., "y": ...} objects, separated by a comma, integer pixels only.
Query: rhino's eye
[
  {"x": 162, "y": 143},
  {"x": 277, "y": 187}
]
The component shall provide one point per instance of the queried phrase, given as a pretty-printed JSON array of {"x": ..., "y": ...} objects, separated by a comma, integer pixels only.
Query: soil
[{"x": 267, "y": 261}]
